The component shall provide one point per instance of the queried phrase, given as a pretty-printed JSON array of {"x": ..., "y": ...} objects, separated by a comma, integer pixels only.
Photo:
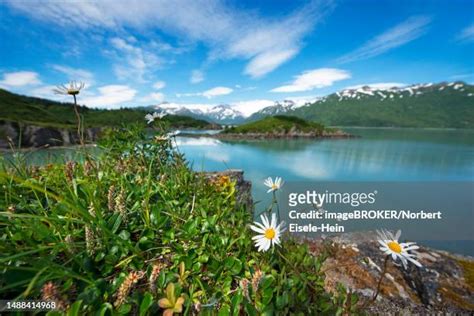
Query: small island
[{"x": 281, "y": 126}]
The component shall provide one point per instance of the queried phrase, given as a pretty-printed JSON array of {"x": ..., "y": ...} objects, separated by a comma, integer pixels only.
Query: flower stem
[
  {"x": 377, "y": 291},
  {"x": 275, "y": 201},
  {"x": 79, "y": 124}
]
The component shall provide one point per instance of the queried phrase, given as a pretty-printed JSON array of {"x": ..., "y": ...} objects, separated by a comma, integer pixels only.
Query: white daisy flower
[
  {"x": 73, "y": 89},
  {"x": 149, "y": 118},
  {"x": 268, "y": 232},
  {"x": 273, "y": 185},
  {"x": 391, "y": 246},
  {"x": 152, "y": 117},
  {"x": 159, "y": 115}
]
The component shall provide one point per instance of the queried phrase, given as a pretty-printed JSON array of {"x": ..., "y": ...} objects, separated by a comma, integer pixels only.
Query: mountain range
[
  {"x": 225, "y": 113},
  {"x": 419, "y": 105},
  {"x": 221, "y": 114}
]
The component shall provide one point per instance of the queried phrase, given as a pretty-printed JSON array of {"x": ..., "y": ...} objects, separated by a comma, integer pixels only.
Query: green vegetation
[
  {"x": 133, "y": 230},
  {"x": 278, "y": 124},
  {"x": 437, "y": 106},
  {"x": 448, "y": 108},
  {"x": 47, "y": 113}
]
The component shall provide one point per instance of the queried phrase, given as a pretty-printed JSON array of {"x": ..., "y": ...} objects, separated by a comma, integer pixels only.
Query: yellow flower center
[
  {"x": 274, "y": 187},
  {"x": 270, "y": 233},
  {"x": 394, "y": 246}
]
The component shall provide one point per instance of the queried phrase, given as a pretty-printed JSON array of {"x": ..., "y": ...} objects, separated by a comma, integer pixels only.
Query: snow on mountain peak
[{"x": 239, "y": 111}]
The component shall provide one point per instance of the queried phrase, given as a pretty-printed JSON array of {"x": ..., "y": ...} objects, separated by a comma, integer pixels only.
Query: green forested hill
[
  {"x": 277, "y": 124},
  {"x": 444, "y": 105},
  {"x": 36, "y": 111}
]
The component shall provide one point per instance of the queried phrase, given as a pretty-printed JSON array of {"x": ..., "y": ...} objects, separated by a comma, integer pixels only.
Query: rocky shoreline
[
  {"x": 290, "y": 135},
  {"x": 33, "y": 136}
]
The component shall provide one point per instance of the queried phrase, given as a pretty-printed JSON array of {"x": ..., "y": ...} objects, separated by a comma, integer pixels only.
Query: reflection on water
[
  {"x": 380, "y": 154},
  {"x": 387, "y": 154}
]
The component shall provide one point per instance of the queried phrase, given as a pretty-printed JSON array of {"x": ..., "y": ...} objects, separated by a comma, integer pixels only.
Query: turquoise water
[{"x": 378, "y": 155}]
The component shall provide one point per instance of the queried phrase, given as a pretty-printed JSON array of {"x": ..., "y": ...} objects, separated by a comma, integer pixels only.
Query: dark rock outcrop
[{"x": 25, "y": 135}]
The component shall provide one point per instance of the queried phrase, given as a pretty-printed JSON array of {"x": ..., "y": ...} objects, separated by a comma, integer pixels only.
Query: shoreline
[
  {"x": 406, "y": 128},
  {"x": 240, "y": 136}
]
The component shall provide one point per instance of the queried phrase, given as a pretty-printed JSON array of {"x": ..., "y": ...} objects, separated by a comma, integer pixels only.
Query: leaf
[
  {"x": 267, "y": 295},
  {"x": 229, "y": 262},
  {"x": 224, "y": 310},
  {"x": 170, "y": 294},
  {"x": 125, "y": 235},
  {"x": 74, "y": 309},
  {"x": 117, "y": 223},
  {"x": 236, "y": 300},
  {"x": 164, "y": 303},
  {"x": 146, "y": 303},
  {"x": 99, "y": 256},
  {"x": 125, "y": 309},
  {"x": 267, "y": 281},
  {"x": 178, "y": 307},
  {"x": 203, "y": 258},
  {"x": 236, "y": 267},
  {"x": 181, "y": 269}
]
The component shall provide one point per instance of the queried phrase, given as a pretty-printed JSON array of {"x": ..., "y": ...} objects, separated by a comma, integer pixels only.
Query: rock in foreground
[{"x": 443, "y": 285}]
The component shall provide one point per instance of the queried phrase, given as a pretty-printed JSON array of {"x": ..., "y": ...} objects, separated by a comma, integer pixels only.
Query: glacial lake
[{"x": 378, "y": 155}]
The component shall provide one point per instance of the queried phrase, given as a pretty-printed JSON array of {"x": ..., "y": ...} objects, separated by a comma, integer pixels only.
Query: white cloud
[
  {"x": 154, "y": 97},
  {"x": 249, "y": 107},
  {"x": 401, "y": 34},
  {"x": 111, "y": 96},
  {"x": 217, "y": 91},
  {"x": 312, "y": 79},
  {"x": 378, "y": 85},
  {"x": 211, "y": 93},
  {"x": 268, "y": 61},
  {"x": 466, "y": 34},
  {"x": 76, "y": 74},
  {"x": 228, "y": 31},
  {"x": 462, "y": 76},
  {"x": 159, "y": 85},
  {"x": 20, "y": 79},
  {"x": 196, "y": 76},
  {"x": 133, "y": 62}
]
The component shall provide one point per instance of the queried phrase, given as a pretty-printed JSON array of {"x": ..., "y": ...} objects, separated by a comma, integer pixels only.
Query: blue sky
[{"x": 247, "y": 54}]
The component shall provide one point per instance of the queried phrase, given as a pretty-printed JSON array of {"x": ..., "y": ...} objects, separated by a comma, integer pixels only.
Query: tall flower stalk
[
  {"x": 391, "y": 247},
  {"x": 73, "y": 89}
]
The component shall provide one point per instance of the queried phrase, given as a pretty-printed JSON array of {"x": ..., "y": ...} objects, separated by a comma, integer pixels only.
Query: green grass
[
  {"x": 119, "y": 232},
  {"x": 277, "y": 124},
  {"x": 42, "y": 112}
]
